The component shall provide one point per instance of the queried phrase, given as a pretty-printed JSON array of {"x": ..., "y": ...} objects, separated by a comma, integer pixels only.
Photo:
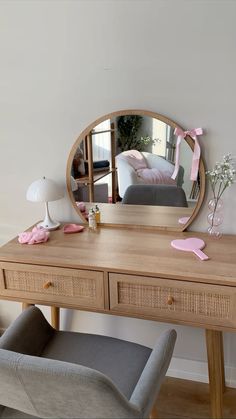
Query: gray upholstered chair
[
  {"x": 162, "y": 195},
  {"x": 54, "y": 374}
]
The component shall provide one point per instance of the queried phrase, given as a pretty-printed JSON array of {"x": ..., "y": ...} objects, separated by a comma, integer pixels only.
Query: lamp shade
[{"x": 44, "y": 190}]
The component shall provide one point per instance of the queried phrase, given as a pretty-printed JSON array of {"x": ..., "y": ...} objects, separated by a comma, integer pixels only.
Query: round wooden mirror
[{"x": 124, "y": 162}]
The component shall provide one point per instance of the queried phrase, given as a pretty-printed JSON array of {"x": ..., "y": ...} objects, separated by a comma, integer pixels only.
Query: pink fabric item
[
  {"x": 81, "y": 206},
  {"x": 72, "y": 228},
  {"x": 24, "y": 237},
  {"x": 147, "y": 175},
  {"x": 134, "y": 158},
  {"x": 196, "y": 152},
  {"x": 156, "y": 176},
  {"x": 37, "y": 235},
  {"x": 183, "y": 220}
]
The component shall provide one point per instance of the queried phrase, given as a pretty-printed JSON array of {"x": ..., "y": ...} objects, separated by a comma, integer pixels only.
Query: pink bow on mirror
[{"x": 196, "y": 152}]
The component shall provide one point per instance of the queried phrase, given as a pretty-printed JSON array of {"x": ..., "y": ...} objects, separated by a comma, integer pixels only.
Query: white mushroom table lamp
[{"x": 45, "y": 190}]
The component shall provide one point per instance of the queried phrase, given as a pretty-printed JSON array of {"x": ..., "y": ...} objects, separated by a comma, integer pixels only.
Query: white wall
[{"x": 66, "y": 63}]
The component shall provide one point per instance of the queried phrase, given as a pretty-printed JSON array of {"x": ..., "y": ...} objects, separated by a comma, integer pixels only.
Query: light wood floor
[{"x": 181, "y": 399}]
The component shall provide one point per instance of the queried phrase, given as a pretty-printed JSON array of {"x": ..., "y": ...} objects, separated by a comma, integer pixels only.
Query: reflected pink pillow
[
  {"x": 134, "y": 158},
  {"x": 156, "y": 176}
]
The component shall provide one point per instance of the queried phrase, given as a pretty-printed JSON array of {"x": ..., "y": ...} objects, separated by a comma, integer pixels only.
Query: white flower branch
[{"x": 221, "y": 177}]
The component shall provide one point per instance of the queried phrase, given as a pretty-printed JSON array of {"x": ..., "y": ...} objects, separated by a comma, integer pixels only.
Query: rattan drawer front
[
  {"x": 70, "y": 285},
  {"x": 156, "y": 297}
]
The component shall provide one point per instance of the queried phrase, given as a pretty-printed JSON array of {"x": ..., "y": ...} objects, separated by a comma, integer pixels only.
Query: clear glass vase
[{"x": 215, "y": 217}]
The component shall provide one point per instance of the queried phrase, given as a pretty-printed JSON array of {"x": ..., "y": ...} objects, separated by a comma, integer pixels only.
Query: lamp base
[
  {"x": 53, "y": 225},
  {"x": 48, "y": 223}
]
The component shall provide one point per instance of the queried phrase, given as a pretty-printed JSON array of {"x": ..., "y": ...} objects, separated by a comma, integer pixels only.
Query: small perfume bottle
[
  {"x": 92, "y": 219},
  {"x": 97, "y": 214}
]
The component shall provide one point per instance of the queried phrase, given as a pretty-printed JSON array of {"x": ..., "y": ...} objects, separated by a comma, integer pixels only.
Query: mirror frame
[{"x": 151, "y": 114}]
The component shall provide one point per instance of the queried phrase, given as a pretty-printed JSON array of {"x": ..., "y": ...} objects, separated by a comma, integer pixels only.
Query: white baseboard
[{"x": 197, "y": 371}]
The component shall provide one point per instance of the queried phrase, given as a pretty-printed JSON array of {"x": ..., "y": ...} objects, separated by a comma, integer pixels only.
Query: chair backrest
[
  {"x": 161, "y": 195},
  {"x": 49, "y": 388}
]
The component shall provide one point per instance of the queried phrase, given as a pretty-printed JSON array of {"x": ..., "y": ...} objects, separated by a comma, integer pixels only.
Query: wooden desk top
[{"x": 132, "y": 251}]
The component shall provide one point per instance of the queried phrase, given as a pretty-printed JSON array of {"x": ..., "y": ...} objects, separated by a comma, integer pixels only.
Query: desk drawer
[
  {"x": 51, "y": 284},
  {"x": 173, "y": 300}
]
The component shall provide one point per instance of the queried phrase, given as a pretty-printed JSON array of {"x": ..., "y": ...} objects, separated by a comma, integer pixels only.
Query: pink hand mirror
[{"x": 192, "y": 244}]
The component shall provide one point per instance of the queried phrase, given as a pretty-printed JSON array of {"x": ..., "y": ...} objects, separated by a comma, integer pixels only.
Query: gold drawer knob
[
  {"x": 170, "y": 301},
  {"x": 47, "y": 285}
]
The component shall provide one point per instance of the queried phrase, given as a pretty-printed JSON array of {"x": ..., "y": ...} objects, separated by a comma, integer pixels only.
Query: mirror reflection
[{"x": 125, "y": 164}]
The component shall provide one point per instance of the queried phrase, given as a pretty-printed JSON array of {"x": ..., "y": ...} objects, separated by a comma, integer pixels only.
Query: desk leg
[
  {"x": 55, "y": 317},
  {"x": 222, "y": 361},
  {"x": 214, "y": 342},
  {"x": 154, "y": 413},
  {"x": 26, "y": 305}
]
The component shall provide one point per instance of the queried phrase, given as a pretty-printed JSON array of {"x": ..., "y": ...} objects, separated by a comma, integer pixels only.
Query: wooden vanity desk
[{"x": 133, "y": 273}]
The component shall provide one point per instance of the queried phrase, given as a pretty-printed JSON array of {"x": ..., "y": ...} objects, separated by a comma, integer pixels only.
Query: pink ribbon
[{"x": 196, "y": 152}]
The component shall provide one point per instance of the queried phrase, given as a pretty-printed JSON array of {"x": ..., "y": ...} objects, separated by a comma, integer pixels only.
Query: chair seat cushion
[
  {"x": 161, "y": 195},
  {"x": 121, "y": 361}
]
